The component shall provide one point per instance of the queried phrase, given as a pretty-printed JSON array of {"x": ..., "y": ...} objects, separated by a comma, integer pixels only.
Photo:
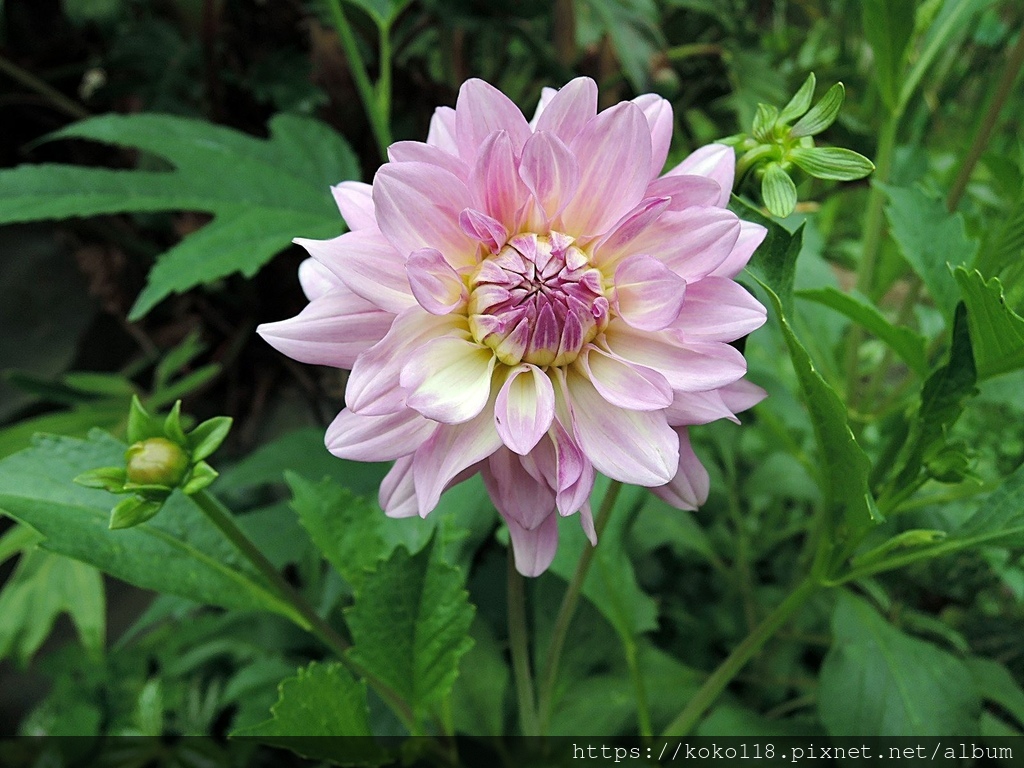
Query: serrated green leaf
[
  {"x": 774, "y": 262},
  {"x": 778, "y": 191},
  {"x": 831, "y": 162},
  {"x": 179, "y": 551},
  {"x": 410, "y": 626},
  {"x": 888, "y": 27},
  {"x": 1005, "y": 246},
  {"x": 344, "y": 527},
  {"x": 930, "y": 238},
  {"x": 800, "y": 102},
  {"x": 821, "y": 115},
  {"x": 909, "y": 345},
  {"x": 997, "y": 332},
  {"x": 261, "y": 192},
  {"x": 207, "y": 437},
  {"x": 878, "y": 680},
  {"x": 324, "y": 700}
]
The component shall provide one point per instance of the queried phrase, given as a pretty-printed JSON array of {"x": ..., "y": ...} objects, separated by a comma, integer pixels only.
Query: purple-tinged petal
[
  {"x": 689, "y": 488},
  {"x": 418, "y": 152},
  {"x": 660, "y": 119},
  {"x": 614, "y": 153},
  {"x": 498, "y": 191},
  {"x": 482, "y": 227},
  {"x": 546, "y": 95},
  {"x": 637, "y": 447},
  {"x": 716, "y": 161},
  {"x": 448, "y": 379},
  {"x": 316, "y": 279},
  {"x": 516, "y": 494},
  {"x": 741, "y": 395},
  {"x": 436, "y": 286},
  {"x": 374, "y": 386},
  {"x": 534, "y": 550},
  {"x": 450, "y": 450},
  {"x": 718, "y": 309},
  {"x": 690, "y": 408},
  {"x": 377, "y": 438},
  {"x": 685, "y": 191},
  {"x": 355, "y": 202},
  {"x": 418, "y": 206},
  {"x": 368, "y": 265},
  {"x": 525, "y": 408},
  {"x": 441, "y": 133},
  {"x": 618, "y": 242},
  {"x": 704, "y": 239},
  {"x": 333, "y": 329},
  {"x": 648, "y": 295},
  {"x": 625, "y": 385},
  {"x": 397, "y": 495},
  {"x": 568, "y": 110},
  {"x": 587, "y": 522},
  {"x": 482, "y": 109},
  {"x": 550, "y": 171},
  {"x": 751, "y": 236}
]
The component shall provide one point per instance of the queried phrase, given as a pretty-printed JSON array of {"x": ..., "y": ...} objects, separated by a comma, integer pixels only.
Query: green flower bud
[{"x": 156, "y": 461}]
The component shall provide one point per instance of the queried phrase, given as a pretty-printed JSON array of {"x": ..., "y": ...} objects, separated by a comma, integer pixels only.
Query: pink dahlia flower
[{"x": 531, "y": 300}]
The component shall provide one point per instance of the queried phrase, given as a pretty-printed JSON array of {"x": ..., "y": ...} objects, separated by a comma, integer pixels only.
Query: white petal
[{"x": 449, "y": 379}]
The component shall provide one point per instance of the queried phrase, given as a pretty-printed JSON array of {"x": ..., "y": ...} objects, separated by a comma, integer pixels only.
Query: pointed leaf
[
  {"x": 207, "y": 437},
  {"x": 821, "y": 115},
  {"x": 997, "y": 332},
  {"x": 778, "y": 191},
  {"x": 831, "y": 162},
  {"x": 888, "y": 27},
  {"x": 800, "y": 102}
]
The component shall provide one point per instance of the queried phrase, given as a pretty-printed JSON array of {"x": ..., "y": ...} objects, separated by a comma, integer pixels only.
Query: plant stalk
[
  {"x": 61, "y": 102},
  {"x": 517, "y": 638}
]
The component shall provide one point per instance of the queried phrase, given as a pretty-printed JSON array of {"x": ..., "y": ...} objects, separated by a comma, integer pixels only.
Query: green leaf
[
  {"x": 109, "y": 384},
  {"x": 200, "y": 476},
  {"x": 344, "y": 527},
  {"x": 1000, "y": 518},
  {"x": 131, "y": 512},
  {"x": 410, "y": 626},
  {"x": 930, "y": 238},
  {"x": 778, "y": 191},
  {"x": 997, "y": 332},
  {"x": 774, "y": 262},
  {"x": 141, "y": 425},
  {"x": 994, "y": 683},
  {"x": 478, "y": 699},
  {"x": 383, "y": 12},
  {"x": 207, "y": 437},
  {"x": 110, "y": 479},
  {"x": 909, "y": 345},
  {"x": 764, "y": 123},
  {"x": 1005, "y": 245},
  {"x": 888, "y": 27},
  {"x": 19, "y": 538},
  {"x": 179, "y": 551},
  {"x": 878, "y": 680},
  {"x": 831, "y": 162},
  {"x": 42, "y": 587},
  {"x": 821, "y": 115},
  {"x": 261, "y": 192},
  {"x": 324, "y": 700},
  {"x": 176, "y": 359},
  {"x": 800, "y": 102},
  {"x": 850, "y": 508}
]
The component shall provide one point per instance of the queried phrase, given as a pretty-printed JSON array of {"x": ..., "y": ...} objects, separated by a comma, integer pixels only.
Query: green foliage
[
  {"x": 997, "y": 332},
  {"x": 888, "y": 27},
  {"x": 260, "y": 192}
]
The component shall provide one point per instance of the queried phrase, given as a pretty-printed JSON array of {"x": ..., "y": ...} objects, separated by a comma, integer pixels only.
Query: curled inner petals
[
  {"x": 491, "y": 232},
  {"x": 524, "y": 409},
  {"x": 648, "y": 295},
  {"x": 436, "y": 286}
]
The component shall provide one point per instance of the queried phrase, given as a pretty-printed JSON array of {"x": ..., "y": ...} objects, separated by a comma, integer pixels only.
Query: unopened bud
[{"x": 156, "y": 461}]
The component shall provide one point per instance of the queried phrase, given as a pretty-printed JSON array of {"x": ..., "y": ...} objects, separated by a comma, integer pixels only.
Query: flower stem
[
  {"x": 568, "y": 608},
  {"x": 56, "y": 98},
  {"x": 736, "y": 660},
  {"x": 374, "y": 113},
  {"x": 517, "y": 634}
]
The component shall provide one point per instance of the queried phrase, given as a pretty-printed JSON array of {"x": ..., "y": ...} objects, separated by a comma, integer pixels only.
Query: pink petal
[
  {"x": 648, "y": 295},
  {"x": 716, "y": 161},
  {"x": 614, "y": 153},
  {"x": 689, "y": 408},
  {"x": 525, "y": 408},
  {"x": 374, "y": 386},
  {"x": 436, "y": 286},
  {"x": 355, "y": 201},
  {"x": 636, "y": 447},
  {"x": 451, "y": 449},
  {"x": 491, "y": 232},
  {"x": 442, "y": 130},
  {"x": 705, "y": 238},
  {"x": 368, "y": 265},
  {"x": 316, "y": 279},
  {"x": 689, "y": 367},
  {"x": 623, "y": 384},
  {"x": 418, "y": 152},
  {"x": 617, "y": 243},
  {"x": 587, "y": 523},
  {"x": 418, "y": 206},
  {"x": 751, "y": 236},
  {"x": 498, "y": 190},
  {"x": 568, "y": 110},
  {"x": 546, "y": 95},
  {"x": 516, "y": 494},
  {"x": 550, "y": 171},
  {"x": 397, "y": 495},
  {"x": 719, "y": 309},
  {"x": 481, "y": 110},
  {"x": 661, "y": 122},
  {"x": 534, "y": 550},
  {"x": 333, "y": 329},
  {"x": 685, "y": 191},
  {"x": 689, "y": 488},
  {"x": 742, "y": 395},
  {"x": 448, "y": 379},
  {"x": 377, "y": 438}
]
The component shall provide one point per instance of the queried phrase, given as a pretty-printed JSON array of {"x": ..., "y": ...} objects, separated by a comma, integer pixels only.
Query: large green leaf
[
  {"x": 997, "y": 332},
  {"x": 410, "y": 626},
  {"x": 931, "y": 239},
  {"x": 262, "y": 193},
  {"x": 774, "y": 262},
  {"x": 478, "y": 699},
  {"x": 888, "y": 27},
  {"x": 324, "y": 700},
  {"x": 877, "y": 680},
  {"x": 179, "y": 551}
]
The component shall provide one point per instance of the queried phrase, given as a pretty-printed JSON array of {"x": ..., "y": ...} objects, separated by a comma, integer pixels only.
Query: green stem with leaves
[
  {"x": 517, "y": 639},
  {"x": 568, "y": 609}
]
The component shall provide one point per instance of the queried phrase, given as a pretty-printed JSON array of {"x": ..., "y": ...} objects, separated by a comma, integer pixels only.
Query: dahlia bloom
[{"x": 532, "y": 301}]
